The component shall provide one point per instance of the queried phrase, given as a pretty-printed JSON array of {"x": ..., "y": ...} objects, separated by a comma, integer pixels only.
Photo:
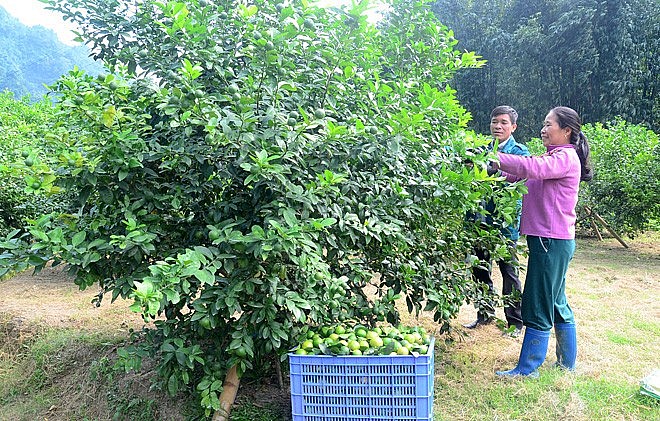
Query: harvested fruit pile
[{"x": 344, "y": 339}]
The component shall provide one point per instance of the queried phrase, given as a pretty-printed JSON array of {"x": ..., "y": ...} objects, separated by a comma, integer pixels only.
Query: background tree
[
  {"x": 626, "y": 185},
  {"x": 247, "y": 168},
  {"x": 26, "y": 157},
  {"x": 598, "y": 57}
]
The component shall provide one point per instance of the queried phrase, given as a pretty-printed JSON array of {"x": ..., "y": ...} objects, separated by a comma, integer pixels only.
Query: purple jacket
[{"x": 553, "y": 180}]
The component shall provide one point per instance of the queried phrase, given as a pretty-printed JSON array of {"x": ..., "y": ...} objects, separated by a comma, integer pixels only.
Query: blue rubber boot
[
  {"x": 532, "y": 354},
  {"x": 566, "y": 345}
]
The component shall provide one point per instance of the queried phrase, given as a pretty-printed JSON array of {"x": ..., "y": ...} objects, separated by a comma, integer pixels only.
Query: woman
[{"x": 548, "y": 221}]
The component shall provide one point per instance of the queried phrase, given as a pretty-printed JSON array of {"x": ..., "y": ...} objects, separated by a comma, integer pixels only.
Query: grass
[
  {"x": 613, "y": 292},
  {"x": 63, "y": 373}
]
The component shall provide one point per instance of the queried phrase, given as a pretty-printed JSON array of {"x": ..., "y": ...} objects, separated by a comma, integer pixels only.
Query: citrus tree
[
  {"x": 26, "y": 157},
  {"x": 250, "y": 169},
  {"x": 625, "y": 189}
]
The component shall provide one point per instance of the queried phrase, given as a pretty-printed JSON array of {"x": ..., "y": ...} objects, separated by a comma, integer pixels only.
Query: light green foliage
[
  {"x": 26, "y": 156},
  {"x": 626, "y": 185},
  {"x": 247, "y": 168}
]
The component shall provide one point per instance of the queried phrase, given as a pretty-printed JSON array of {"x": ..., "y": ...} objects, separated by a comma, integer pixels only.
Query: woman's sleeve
[
  {"x": 556, "y": 165},
  {"x": 510, "y": 177}
]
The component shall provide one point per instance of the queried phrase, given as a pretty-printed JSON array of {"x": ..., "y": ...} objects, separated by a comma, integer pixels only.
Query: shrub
[{"x": 26, "y": 180}]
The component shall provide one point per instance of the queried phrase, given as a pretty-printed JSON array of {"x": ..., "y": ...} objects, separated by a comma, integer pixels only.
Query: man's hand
[{"x": 491, "y": 168}]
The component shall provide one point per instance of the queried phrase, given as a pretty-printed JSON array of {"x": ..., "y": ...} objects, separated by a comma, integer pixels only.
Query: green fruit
[
  {"x": 340, "y": 330},
  {"x": 319, "y": 113},
  {"x": 403, "y": 351},
  {"x": 294, "y": 114},
  {"x": 426, "y": 339},
  {"x": 353, "y": 345},
  {"x": 233, "y": 88},
  {"x": 257, "y": 35},
  {"x": 291, "y": 122},
  {"x": 205, "y": 322},
  {"x": 371, "y": 335},
  {"x": 36, "y": 185},
  {"x": 113, "y": 85},
  {"x": 376, "y": 342},
  {"x": 361, "y": 332},
  {"x": 309, "y": 24},
  {"x": 214, "y": 235},
  {"x": 25, "y": 154},
  {"x": 240, "y": 352},
  {"x": 270, "y": 46},
  {"x": 307, "y": 345},
  {"x": 300, "y": 351},
  {"x": 29, "y": 162}
]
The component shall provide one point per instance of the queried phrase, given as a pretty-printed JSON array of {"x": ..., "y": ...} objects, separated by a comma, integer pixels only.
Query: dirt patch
[{"x": 52, "y": 299}]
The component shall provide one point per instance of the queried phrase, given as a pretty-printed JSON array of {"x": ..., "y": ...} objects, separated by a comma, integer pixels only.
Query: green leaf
[
  {"x": 108, "y": 116},
  {"x": 78, "y": 238},
  {"x": 204, "y": 276}
]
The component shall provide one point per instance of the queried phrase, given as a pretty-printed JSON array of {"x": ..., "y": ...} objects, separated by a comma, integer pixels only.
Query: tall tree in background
[{"x": 599, "y": 57}]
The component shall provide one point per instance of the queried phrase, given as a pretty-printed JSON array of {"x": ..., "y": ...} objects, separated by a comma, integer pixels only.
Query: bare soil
[
  {"x": 603, "y": 275},
  {"x": 52, "y": 299}
]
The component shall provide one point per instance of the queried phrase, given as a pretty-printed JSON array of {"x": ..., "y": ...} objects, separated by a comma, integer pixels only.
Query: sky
[{"x": 32, "y": 12}]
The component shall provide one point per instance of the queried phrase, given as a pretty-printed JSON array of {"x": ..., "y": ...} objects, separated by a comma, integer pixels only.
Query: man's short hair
[{"x": 505, "y": 109}]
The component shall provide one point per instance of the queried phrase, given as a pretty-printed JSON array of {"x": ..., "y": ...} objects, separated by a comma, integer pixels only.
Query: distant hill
[{"x": 33, "y": 56}]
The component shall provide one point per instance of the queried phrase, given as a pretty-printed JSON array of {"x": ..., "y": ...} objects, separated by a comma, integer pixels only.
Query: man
[{"x": 502, "y": 125}]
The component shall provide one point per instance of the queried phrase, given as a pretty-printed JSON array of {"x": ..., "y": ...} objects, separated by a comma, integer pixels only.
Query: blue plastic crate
[{"x": 373, "y": 388}]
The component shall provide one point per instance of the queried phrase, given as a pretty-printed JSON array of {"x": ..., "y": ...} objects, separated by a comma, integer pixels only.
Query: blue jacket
[{"x": 512, "y": 231}]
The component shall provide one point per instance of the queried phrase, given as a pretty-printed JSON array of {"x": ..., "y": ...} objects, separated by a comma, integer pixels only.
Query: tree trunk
[{"x": 228, "y": 395}]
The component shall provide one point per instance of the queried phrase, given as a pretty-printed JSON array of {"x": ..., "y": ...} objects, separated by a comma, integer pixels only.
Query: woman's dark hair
[{"x": 568, "y": 117}]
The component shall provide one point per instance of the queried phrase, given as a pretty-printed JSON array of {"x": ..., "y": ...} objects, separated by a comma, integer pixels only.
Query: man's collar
[{"x": 500, "y": 146}]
